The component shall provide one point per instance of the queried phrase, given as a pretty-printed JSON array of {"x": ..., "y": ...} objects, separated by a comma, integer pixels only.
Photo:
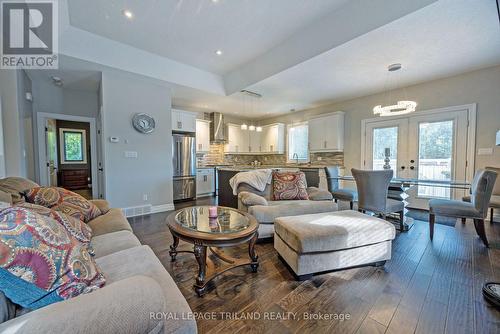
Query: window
[
  {"x": 73, "y": 146},
  {"x": 298, "y": 142}
]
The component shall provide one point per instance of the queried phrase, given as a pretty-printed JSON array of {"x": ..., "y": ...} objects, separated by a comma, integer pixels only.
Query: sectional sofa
[{"x": 139, "y": 296}]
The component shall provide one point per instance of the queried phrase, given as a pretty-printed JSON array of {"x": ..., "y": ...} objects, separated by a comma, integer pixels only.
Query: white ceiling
[
  {"x": 441, "y": 40},
  {"x": 190, "y": 31},
  {"x": 88, "y": 81}
]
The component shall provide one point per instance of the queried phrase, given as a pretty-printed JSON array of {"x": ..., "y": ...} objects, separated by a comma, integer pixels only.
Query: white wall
[
  {"x": 59, "y": 100},
  {"x": 11, "y": 123},
  {"x": 24, "y": 85},
  {"x": 127, "y": 180},
  {"x": 481, "y": 87}
]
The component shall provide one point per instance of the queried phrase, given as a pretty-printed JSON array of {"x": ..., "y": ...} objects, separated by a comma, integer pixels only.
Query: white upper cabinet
[
  {"x": 254, "y": 141},
  {"x": 238, "y": 140},
  {"x": 326, "y": 133},
  {"x": 183, "y": 121},
  {"x": 202, "y": 136},
  {"x": 273, "y": 138},
  {"x": 270, "y": 141}
]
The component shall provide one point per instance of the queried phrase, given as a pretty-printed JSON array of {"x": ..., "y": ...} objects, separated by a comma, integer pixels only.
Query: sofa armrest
[
  {"x": 316, "y": 194},
  {"x": 126, "y": 306},
  {"x": 102, "y": 204},
  {"x": 249, "y": 199}
]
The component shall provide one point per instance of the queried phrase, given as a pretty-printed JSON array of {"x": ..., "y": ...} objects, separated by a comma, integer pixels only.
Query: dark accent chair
[
  {"x": 332, "y": 174},
  {"x": 495, "y": 195},
  {"x": 477, "y": 209},
  {"x": 373, "y": 188}
]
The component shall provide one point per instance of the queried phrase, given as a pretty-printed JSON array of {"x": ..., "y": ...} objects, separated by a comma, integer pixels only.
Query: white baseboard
[
  {"x": 162, "y": 208},
  {"x": 143, "y": 210}
]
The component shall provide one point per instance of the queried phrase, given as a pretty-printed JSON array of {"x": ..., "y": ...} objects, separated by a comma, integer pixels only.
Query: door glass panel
[
  {"x": 385, "y": 138},
  {"x": 435, "y": 153}
]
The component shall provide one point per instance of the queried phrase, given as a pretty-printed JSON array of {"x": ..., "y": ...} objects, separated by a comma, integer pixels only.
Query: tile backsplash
[{"x": 216, "y": 156}]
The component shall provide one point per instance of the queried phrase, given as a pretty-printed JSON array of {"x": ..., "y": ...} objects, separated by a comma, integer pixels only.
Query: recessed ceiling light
[
  {"x": 215, "y": 1},
  {"x": 218, "y": 52},
  {"x": 128, "y": 14}
]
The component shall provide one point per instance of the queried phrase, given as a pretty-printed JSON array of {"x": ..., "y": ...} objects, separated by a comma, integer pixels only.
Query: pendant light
[{"x": 400, "y": 107}]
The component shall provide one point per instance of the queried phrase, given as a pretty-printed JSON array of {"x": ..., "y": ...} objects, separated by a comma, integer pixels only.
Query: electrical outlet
[
  {"x": 145, "y": 197},
  {"x": 320, "y": 158}
]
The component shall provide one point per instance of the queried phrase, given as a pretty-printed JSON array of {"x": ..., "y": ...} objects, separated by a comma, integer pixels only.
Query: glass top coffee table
[{"x": 230, "y": 227}]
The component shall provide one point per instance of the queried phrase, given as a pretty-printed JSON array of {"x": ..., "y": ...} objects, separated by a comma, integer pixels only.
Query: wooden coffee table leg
[
  {"x": 252, "y": 254},
  {"x": 173, "y": 248},
  {"x": 200, "y": 252}
]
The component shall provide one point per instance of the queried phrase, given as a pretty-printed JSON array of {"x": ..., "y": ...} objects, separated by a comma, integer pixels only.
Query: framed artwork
[{"x": 73, "y": 146}]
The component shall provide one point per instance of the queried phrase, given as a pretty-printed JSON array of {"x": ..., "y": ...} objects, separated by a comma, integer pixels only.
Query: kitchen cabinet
[
  {"x": 273, "y": 138},
  {"x": 254, "y": 145},
  {"x": 205, "y": 181},
  {"x": 326, "y": 133},
  {"x": 202, "y": 136},
  {"x": 183, "y": 121},
  {"x": 270, "y": 141},
  {"x": 238, "y": 140}
]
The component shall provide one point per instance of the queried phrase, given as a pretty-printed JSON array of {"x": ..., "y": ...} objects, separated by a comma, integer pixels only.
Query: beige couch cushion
[
  {"x": 112, "y": 221},
  {"x": 142, "y": 261},
  {"x": 332, "y": 231},
  {"x": 102, "y": 204},
  {"x": 15, "y": 186},
  {"x": 113, "y": 242},
  {"x": 274, "y": 209}
]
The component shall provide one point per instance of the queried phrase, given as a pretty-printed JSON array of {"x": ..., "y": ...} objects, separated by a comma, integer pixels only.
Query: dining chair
[
  {"x": 476, "y": 209},
  {"x": 495, "y": 195},
  {"x": 332, "y": 174},
  {"x": 373, "y": 188}
]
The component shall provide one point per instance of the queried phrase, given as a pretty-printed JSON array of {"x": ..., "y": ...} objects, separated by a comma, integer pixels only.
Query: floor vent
[{"x": 134, "y": 211}]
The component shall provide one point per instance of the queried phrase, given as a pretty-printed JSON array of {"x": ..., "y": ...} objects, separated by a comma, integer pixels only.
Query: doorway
[
  {"x": 426, "y": 145},
  {"x": 67, "y": 153}
]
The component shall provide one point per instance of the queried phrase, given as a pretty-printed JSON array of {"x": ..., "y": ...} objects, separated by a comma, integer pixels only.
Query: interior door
[
  {"x": 436, "y": 151},
  {"x": 51, "y": 151}
]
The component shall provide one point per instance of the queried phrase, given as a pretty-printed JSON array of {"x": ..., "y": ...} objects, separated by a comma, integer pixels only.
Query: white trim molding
[
  {"x": 42, "y": 154},
  {"x": 471, "y": 131}
]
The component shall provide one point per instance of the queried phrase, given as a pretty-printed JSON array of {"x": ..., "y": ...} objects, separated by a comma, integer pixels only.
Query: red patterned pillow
[
  {"x": 289, "y": 186},
  {"x": 65, "y": 201},
  {"x": 77, "y": 228}
]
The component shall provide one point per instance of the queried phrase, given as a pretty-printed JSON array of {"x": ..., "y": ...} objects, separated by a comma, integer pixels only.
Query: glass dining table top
[
  {"x": 414, "y": 182},
  {"x": 228, "y": 220}
]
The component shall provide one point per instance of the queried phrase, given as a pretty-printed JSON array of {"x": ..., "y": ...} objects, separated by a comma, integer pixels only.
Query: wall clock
[{"x": 143, "y": 123}]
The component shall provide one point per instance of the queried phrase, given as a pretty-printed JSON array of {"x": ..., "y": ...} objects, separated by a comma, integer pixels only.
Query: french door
[{"x": 426, "y": 146}]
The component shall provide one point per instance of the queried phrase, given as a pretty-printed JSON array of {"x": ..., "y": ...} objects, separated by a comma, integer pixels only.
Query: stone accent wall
[{"x": 216, "y": 156}]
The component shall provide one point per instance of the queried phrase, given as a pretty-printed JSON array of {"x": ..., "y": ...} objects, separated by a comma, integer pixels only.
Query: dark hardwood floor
[{"x": 427, "y": 287}]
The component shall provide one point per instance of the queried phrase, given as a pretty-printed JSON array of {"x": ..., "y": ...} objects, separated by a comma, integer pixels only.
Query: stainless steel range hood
[{"x": 217, "y": 128}]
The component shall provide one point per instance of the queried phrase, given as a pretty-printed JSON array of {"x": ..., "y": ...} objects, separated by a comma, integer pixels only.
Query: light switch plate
[
  {"x": 130, "y": 154},
  {"x": 485, "y": 151}
]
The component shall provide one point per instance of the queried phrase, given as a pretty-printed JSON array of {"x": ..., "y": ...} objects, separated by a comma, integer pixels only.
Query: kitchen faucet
[{"x": 296, "y": 157}]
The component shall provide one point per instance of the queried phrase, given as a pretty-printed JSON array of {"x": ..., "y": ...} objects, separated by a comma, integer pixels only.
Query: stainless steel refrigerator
[{"x": 184, "y": 163}]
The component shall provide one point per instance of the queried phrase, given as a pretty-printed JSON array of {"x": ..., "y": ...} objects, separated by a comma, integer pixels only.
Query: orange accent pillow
[
  {"x": 63, "y": 200},
  {"x": 289, "y": 186}
]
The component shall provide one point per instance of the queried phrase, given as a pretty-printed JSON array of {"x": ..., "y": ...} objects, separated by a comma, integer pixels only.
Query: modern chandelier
[{"x": 401, "y": 107}]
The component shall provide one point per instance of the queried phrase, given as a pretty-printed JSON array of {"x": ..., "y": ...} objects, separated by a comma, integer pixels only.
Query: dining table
[{"x": 403, "y": 185}]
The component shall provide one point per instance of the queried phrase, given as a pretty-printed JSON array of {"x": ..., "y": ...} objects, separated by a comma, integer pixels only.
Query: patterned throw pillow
[
  {"x": 77, "y": 228},
  {"x": 63, "y": 200},
  {"x": 41, "y": 262},
  {"x": 289, "y": 186}
]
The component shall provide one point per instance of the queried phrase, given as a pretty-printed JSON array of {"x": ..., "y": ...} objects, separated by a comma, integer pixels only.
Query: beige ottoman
[{"x": 329, "y": 241}]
